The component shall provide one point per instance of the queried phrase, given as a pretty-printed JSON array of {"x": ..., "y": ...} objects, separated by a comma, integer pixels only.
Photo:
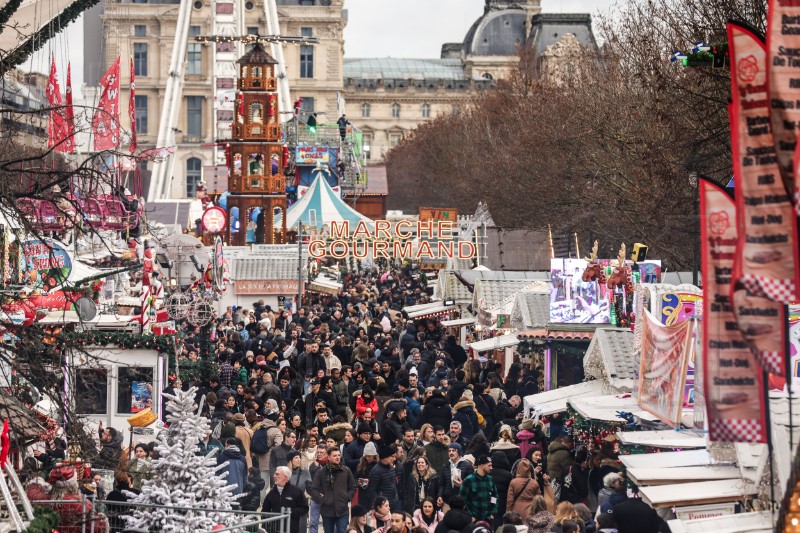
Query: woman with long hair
[
  {"x": 427, "y": 516},
  {"x": 426, "y": 434},
  {"x": 308, "y": 451},
  {"x": 566, "y": 511},
  {"x": 478, "y": 446},
  {"x": 539, "y": 519},
  {"x": 422, "y": 483},
  {"x": 296, "y": 425},
  {"x": 139, "y": 467},
  {"x": 381, "y": 513}
]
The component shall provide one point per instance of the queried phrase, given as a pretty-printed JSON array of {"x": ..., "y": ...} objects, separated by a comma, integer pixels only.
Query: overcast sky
[{"x": 375, "y": 28}]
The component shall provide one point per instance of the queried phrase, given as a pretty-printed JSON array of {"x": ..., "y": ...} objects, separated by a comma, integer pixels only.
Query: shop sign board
[{"x": 265, "y": 286}]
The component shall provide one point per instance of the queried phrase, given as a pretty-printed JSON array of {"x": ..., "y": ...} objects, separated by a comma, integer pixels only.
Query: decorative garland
[
  {"x": 38, "y": 39},
  {"x": 8, "y": 10},
  {"x": 45, "y": 520},
  {"x": 124, "y": 340}
]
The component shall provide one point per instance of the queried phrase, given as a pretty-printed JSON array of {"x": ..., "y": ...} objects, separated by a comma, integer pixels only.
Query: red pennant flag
[
  {"x": 5, "y": 444},
  {"x": 105, "y": 122},
  {"x": 765, "y": 267},
  {"x": 732, "y": 379},
  {"x": 57, "y": 135},
  {"x": 132, "y": 111},
  {"x": 69, "y": 112}
]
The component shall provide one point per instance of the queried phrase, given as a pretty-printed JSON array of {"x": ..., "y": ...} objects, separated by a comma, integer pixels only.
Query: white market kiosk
[{"x": 112, "y": 384}]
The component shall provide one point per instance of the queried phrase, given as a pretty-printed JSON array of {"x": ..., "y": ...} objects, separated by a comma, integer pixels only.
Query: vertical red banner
[
  {"x": 58, "y": 136},
  {"x": 783, "y": 41},
  {"x": 69, "y": 112},
  {"x": 732, "y": 379},
  {"x": 132, "y": 111},
  {"x": 765, "y": 269},
  {"x": 105, "y": 121}
]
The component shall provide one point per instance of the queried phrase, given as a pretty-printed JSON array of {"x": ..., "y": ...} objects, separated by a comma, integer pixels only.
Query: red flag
[
  {"x": 132, "y": 111},
  {"x": 57, "y": 135},
  {"x": 732, "y": 379},
  {"x": 69, "y": 112},
  {"x": 765, "y": 268},
  {"x": 5, "y": 444},
  {"x": 105, "y": 121}
]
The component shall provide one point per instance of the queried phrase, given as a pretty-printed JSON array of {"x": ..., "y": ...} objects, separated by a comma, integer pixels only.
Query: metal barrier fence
[{"x": 92, "y": 518}]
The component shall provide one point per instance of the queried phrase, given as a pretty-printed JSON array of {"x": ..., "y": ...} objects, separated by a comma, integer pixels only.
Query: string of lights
[{"x": 254, "y": 38}]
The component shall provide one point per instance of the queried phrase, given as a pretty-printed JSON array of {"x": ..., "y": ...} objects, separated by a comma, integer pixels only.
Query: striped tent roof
[{"x": 320, "y": 206}]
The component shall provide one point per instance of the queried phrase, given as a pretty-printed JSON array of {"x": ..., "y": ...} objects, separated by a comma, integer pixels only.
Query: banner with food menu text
[
  {"x": 732, "y": 378},
  {"x": 662, "y": 367},
  {"x": 766, "y": 261}
]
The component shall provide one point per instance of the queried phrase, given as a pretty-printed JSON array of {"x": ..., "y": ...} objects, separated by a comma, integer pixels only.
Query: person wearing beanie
[
  {"x": 452, "y": 474},
  {"x": 382, "y": 481},
  {"x": 355, "y": 450},
  {"x": 479, "y": 491}
]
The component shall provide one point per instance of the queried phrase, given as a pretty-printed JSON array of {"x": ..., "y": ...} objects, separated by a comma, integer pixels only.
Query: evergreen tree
[{"x": 183, "y": 479}]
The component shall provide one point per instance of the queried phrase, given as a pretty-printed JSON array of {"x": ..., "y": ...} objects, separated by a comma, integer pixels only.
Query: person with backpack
[{"x": 266, "y": 435}]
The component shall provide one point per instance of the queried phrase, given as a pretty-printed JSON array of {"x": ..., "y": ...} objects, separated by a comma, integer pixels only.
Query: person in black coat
[
  {"x": 422, "y": 483},
  {"x": 236, "y": 468},
  {"x": 457, "y": 518},
  {"x": 464, "y": 412},
  {"x": 437, "y": 411},
  {"x": 501, "y": 474},
  {"x": 116, "y": 513},
  {"x": 289, "y": 497},
  {"x": 382, "y": 481},
  {"x": 393, "y": 427},
  {"x": 255, "y": 484},
  {"x": 457, "y": 353}
]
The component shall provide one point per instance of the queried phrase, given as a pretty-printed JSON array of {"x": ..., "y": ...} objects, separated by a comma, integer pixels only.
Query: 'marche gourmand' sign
[{"x": 403, "y": 240}]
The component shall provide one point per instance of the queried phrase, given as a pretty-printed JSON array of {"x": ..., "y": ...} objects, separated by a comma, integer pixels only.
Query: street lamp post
[{"x": 695, "y": 183}]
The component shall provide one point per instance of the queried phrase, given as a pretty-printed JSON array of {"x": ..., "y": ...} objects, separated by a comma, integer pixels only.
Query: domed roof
[{"x": 497, "y": 33}]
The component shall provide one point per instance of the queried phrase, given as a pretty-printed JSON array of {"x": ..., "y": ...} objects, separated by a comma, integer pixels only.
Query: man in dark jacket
[
  {"x": 457, "y": 387},
  {"x": 309, "y": 363},
  {"x": 559, "y": 457},
  {"x": 355, "y": 450},
  {"x": 449, "y": 487},
  {"x": 437, "y": 411},
  {"x": 278, "y": 455},
  {"x": 209, "y": 443},
  {"x": 394, "y": 425},
  {"x": 436, "y": 451},
  {"x": 382, "y": 479},
  {"x": 457, "y": 353},
  {"x": 333, "y": 489},
  {"x": 110, "y": 448},
  {"x": 255, "y": 484},
  {"x": 501, "y": 474},
  {"x": 284, "y": 495},
  {"x": 236, "y": 468}
]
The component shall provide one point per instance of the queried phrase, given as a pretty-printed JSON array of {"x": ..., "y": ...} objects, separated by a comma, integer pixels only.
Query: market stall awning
[
  {"x": 320, "y": 206},
  {"x": 731, "y": 523},
  {"x": 665, "y": 476},
  {"x": 662, "y": 439},
  {"x": 605, "y": 408},
  {"x": 666, "y": 459},
  {"x": 611, "y": 356},
  {"x": 325, "y": 286},
  {"x": 555, "y": 401},
  {"x": 495, "y": 343},
  {"x": 458, "y": 322},
  {"x": 724, "y": 490},
  {"x": 424, "y": 310},
  {"x": 543, "y": 334}
]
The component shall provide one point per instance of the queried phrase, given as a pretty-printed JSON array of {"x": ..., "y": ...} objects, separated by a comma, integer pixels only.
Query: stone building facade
[{"x": 386, "y": 98}]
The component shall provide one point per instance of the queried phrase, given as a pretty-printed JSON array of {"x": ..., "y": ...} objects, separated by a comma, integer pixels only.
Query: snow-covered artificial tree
[{"x": 181, "y": 478}]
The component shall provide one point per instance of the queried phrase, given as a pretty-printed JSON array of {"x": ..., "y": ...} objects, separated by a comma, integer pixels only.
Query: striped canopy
[{"x": 320, "y": 206}]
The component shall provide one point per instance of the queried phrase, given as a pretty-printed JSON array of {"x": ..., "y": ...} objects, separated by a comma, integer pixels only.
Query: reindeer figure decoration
[
  {"x": 594, "y": 271},
  {"x": 621, "y": 276}
]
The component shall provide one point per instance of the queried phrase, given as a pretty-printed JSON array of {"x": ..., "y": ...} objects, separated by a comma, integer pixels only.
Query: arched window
[
  {"x": 487, "y": 76},
  {"x": 193, "y": 174},
  {"x": 426, "y": 110},
  {"x": 365, "y": 110},
  {"x": 395, "y": 110}
]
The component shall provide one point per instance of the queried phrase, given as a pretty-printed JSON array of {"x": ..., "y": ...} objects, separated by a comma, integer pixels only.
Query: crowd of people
[{"x": 361, "y": 420}]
